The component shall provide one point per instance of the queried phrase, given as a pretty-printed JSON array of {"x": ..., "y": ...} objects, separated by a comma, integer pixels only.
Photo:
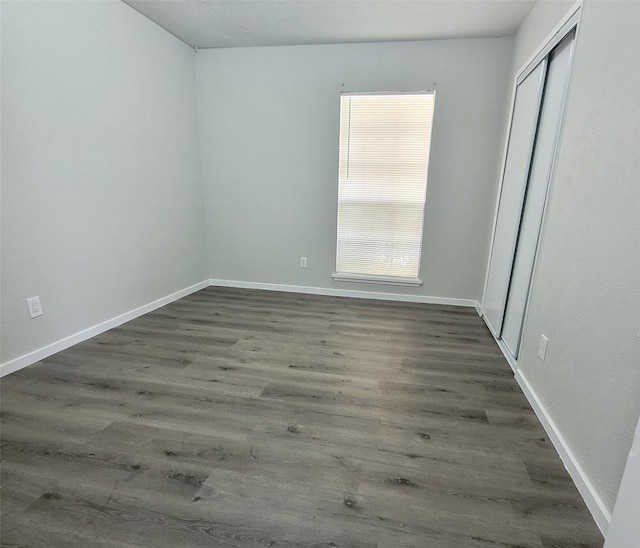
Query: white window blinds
[{"x": 384, "y": 159}]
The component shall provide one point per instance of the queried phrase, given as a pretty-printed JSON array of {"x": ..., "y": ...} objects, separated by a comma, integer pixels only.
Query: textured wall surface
[
  {"x": 586, "y": 294},
  {"x": 101, "y": 190},
  {"x": 269, "y": 122}
]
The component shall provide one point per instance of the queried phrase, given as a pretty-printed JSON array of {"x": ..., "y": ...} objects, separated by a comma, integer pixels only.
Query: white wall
[
  {"x": 269, "y": 135},
  {"x": 586, "y": 290},
  {"x": 101, "y": 191}
]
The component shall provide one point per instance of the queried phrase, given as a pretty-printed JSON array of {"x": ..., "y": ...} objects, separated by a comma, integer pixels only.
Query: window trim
[{"x": 371, "y": 279}]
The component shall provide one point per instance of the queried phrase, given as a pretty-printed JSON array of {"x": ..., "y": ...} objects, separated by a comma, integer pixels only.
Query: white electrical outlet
[
  {"x": 34, "y": 306},
  {"x": 303, "y": 262},
  {"x": 542, "y": 347}
]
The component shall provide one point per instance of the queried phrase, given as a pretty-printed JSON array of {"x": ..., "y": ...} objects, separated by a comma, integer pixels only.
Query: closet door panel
[
  {"x": 516, "y": 170},
  {"x": 536, "y": 193}
]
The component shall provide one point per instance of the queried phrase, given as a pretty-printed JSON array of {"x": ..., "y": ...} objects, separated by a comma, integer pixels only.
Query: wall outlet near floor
[
  {"x": 542, "y": 347},
  {"x": 34, "y": 306},
  {"x": 303, "y": 262}
]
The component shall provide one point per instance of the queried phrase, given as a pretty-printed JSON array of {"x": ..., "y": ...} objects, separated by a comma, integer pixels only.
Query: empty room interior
[{"x": 221, "y": 326}]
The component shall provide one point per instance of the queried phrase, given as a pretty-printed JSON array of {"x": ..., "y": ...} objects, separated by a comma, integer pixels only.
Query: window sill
[{"x": 383, "y": 280}]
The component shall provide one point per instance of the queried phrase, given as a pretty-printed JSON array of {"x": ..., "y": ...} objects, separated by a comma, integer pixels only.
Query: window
[{"x": 382, "y": 182}]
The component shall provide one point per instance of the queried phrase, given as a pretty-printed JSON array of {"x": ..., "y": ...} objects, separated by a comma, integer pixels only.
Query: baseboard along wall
[
  {"x": 57, "y": 346},
  {"x": 594, "y": 503},
  {"x": 41, "y": 353},
  {"x": 356, "y": 294}
]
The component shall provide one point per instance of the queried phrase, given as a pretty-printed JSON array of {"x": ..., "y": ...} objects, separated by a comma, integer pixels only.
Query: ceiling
[{"x": 235, "y": 23}]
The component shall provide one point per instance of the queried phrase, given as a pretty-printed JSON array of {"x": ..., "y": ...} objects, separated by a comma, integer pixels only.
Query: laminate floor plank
[{"x": 236, "y": 417}]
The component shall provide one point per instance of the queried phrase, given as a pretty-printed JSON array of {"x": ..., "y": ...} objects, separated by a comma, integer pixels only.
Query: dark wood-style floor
[{"x": 247, "y": 418}]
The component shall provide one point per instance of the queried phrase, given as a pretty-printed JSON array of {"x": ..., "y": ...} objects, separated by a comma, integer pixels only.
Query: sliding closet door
[
  {"x": 536, "y": 193},
  {"x": 514, "y": 180}
]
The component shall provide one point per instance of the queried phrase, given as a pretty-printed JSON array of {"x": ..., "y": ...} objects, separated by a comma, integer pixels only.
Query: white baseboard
[
  {"x": 62, "y": 344},
  {"x": 347, "y": 293},
  {"x": 50, "y": 349},
  {"x": 594, "y": 503}
]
